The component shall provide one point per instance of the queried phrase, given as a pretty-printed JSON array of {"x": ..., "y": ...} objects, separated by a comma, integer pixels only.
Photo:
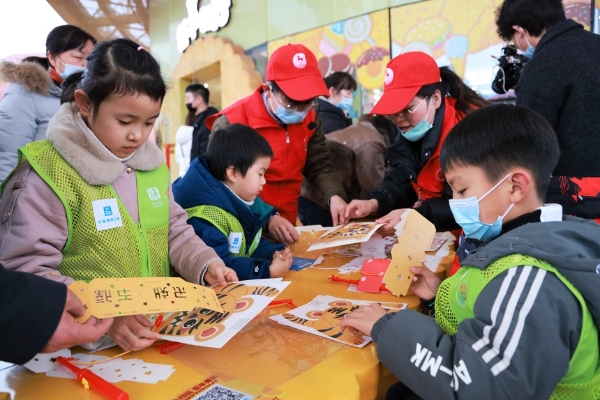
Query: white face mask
[{"x": 69, "y": 69}]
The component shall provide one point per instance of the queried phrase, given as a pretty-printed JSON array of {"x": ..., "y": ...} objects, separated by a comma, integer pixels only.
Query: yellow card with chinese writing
[
  {"x": 415, "y": 234},
  {"x": 117, "y": 297}
]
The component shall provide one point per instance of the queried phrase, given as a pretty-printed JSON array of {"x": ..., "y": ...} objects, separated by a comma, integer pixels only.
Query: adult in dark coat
[
  {"x": 334, "y": 111},
  {"x": 37, "y": 315},
  {"x": 562, "y": 83},
  {"x": 196, "y": 101}
]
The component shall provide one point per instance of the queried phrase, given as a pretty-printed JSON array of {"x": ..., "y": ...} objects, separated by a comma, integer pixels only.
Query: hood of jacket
[
  {"x": 80, "y": 147},
  {"x": 199, "y": 187},
  {"x": 32, "y": 76},
  {"x": 572, "y": 246}
]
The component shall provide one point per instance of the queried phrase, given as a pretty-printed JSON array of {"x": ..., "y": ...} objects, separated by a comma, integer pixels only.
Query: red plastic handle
[{"x": 103, "y": 387}]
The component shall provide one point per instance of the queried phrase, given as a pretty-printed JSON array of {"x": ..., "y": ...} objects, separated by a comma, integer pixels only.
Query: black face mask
[{"x": 190, "y": 108}]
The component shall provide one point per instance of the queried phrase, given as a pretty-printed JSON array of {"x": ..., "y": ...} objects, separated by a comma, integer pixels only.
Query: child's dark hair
[
  {"x": 502, "y": 136},
  {"x": 453, "y": 86},
  {"x": 238, "y": 146},
  {"x": 63, "y": 38},
  {"x": 535, "y": 16},
  {"x": 340, "y": 81},
  {"x": 117, "y": 67}
]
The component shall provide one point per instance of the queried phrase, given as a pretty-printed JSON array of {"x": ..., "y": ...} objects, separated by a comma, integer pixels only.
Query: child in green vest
[
  {"x": 93, "y": 200},
  {"x": 519, "y": 320},
  {"x": 220, "y": 193}
]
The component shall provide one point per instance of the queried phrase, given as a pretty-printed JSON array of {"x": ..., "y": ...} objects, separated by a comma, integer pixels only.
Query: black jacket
[
  {"x": 562, "y": 83},
  {"x": 405, "y": 161},
  {"x": 30, "y": 310},
  {"x": 201, "y": 133},
  {"x": 332, "y": 117}
]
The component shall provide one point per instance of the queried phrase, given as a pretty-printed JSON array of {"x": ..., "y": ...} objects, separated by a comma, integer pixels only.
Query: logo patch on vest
[
  {"x": 155, "y": 197},
  {"x": 461, "y": 293},
  {"x": 235, "y": 242},
  {"x": 106, "y": 214}
]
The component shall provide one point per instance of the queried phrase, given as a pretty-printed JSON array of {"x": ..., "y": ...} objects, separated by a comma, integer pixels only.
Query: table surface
[{"x": 265, "y": 359}]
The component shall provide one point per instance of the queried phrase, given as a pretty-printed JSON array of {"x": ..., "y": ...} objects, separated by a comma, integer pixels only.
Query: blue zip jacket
[{"x": 198, "y": 187}]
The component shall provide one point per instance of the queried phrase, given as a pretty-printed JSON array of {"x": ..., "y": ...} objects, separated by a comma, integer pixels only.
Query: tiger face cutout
[
  {"x": 205, "y": 324},
  {"x": 328, "y": 322}
]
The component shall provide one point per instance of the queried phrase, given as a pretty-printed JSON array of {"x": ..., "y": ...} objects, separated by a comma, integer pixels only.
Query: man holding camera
[{"x": 561, "y": 81}]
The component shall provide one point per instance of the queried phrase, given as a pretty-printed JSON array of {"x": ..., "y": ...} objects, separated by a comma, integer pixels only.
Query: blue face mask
[
  {"x": 345, "y": 104},
  {"x": 419, "y": 130},
  {"x": 69, "y": 69},
  {"x": 289, "y": 117},
  {"x": 466, "y": 214},
  {"x": 530, "y": 49}
]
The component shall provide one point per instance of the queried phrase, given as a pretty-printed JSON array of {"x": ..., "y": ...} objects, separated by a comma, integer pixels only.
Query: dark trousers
[{"x": 311, "y": 213}]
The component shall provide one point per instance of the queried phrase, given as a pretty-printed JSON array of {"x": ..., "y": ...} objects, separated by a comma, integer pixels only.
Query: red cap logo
[
  {"x": 299, "y": 60},
  {"x": 389, "y": 76}
]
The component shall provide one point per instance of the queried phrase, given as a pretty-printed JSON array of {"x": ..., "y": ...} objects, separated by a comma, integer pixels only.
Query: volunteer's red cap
[
  {"x": 294, "y": 68},
  {"x": 404, "y": 77}
]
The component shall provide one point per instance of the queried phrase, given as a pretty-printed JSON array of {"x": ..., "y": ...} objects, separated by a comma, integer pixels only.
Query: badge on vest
[
  {"x": 106, "y": 214},
  {"x": 235, "y": 242}
]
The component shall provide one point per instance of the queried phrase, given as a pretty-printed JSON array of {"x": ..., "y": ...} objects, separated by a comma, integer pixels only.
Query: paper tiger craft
[
  {"x": 206, "y": 324},
  {"x": 327, "y": 322}
]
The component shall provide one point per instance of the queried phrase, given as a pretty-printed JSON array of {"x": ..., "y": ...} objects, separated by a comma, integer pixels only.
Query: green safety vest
[
  {"x": 455, "y": 301},
  {"x": 227, "y": 224},
  {"x": 130, "y": 250}
]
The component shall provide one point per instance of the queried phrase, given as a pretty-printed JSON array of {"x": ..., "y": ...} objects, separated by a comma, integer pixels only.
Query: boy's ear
[
  {"x": 231, "y": 173},
  {"x": 522, "y": 184},
  {"x": 83, "y": 102}
]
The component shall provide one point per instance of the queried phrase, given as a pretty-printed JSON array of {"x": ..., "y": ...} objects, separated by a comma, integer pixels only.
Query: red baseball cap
[
  {"x": 294, "y": 68},
  {"x": 404, "y": 77}
]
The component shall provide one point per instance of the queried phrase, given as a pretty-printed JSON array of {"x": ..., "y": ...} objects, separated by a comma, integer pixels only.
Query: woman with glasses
[
  {"x": 282, "y": 110},
  {"x": 33, "y": 96},
  {"x": 424, "y": 102}
]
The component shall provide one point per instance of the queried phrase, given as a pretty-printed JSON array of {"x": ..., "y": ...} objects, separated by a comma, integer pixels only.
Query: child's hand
[
  {"x": 363, "y": 318},
  {"x": 218, "y": 274},
  {"x": 132, "y": 332},
  {"x": 359, "y": 209},
  {"x": 282, "y": 261},
  {"x": 425, "y": 283},
  {"x": 282, "y": 230}
]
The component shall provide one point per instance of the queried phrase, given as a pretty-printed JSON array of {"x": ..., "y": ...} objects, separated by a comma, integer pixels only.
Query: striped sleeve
[{"x": 518, "y": 345}]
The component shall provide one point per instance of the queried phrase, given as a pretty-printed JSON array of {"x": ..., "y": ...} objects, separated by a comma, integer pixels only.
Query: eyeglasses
[
  {"x": 407, "y": 112},
  {"x": 292, "y": 105}
]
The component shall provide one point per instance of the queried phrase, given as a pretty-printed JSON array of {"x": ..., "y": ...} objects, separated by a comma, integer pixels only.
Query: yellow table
[{"x": 265, "y": 360}]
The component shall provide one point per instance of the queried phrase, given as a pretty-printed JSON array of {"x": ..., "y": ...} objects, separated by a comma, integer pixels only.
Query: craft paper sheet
[
  {"x": 322, "y": 316},
  {"x": 415, "y": 234},
  {"x": 355, "y": 232},
  {"x": 241, "y": 302},
  {"x": 116, "y": 370},
  {"x": 117, "y": 297}
]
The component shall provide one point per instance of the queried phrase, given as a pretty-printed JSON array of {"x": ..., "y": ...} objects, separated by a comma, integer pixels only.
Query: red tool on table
[{"x": 93, "y": 381}]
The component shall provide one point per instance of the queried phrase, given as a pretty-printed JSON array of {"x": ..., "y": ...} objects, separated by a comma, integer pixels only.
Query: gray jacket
[
  {"x": 526, "y": 324},
  {"x": 30, "y": 101}
]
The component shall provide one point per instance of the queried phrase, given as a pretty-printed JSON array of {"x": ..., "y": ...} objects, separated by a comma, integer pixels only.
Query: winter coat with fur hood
[
  {"x": 33, "y": 228},
  {"x": 30, "y": 101}
]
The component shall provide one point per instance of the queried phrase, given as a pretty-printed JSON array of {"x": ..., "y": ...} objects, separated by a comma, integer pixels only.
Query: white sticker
[
  {"x": 106, "y": 214},
  {"x": 235, "y": 242}
]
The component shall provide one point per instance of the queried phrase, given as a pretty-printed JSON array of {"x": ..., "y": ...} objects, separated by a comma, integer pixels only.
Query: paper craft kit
[
  {"x": 415, "y": 234},
  {"x": 372, "y": 273},
  {"x": 355, "y": 232},
  {"x": 322, "y": 316},
  {"x": 240, "y": 301},
  {"x": 117, "y": 297}
]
